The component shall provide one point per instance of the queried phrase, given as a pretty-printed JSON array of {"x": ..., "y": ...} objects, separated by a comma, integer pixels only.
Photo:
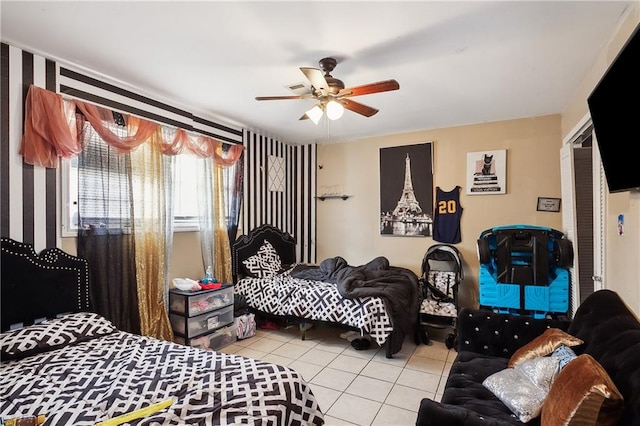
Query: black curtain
[
  {"x": 234, "y": 195},
  {"x": 105, "y": 230}
]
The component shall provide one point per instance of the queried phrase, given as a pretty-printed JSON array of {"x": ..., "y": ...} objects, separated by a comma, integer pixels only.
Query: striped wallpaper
[
  {"x": 30, "y": 197},
  {"x": 293, "y": 210}
]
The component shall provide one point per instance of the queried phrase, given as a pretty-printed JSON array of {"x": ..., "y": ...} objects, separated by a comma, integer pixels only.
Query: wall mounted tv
[{"x": 614, "y": 105}]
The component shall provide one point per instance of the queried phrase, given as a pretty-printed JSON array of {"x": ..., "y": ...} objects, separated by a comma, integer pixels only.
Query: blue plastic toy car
[{"x": 524, "y": 270}]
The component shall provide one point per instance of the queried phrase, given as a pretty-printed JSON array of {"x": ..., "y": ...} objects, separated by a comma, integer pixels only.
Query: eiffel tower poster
[{"x": 406, "y": 190}]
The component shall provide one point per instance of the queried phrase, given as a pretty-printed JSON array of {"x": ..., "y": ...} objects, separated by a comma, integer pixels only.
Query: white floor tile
[
  {"x": 378, "y": 370},
  {"x": 249, "y": 340},
  {"x": 230, "y": 349},
  {"x": 364, "y": 354},
  {"x": 394, "y": 416},
  {"x": 435, "y": 350},
  {"x": 250, "y": 353},
  {"x": 355, "y": 409},
  {"x": 289, "y": 350},
  {"x": 332, "y": 421},
  {"x": 265, "y": 345},
  {"x": 369, "y": 388},
  {"x": 333, "y": 345},
  {"x": 325, "y": 396},
  {"x": 348, "y": 363},
  {"x": 419, "y": 380},
  {"x": 319, "y": 357},
  {"x": 307, "y": 370},
  {"x": 426, "y": 365},
  {"x": 333, "y": 379},
  {"x": 405, "y": 397},
  {"x": 277, "y": 359},
  {"x": 398, "y": 359},
  {"x": 356, "y": 387}
]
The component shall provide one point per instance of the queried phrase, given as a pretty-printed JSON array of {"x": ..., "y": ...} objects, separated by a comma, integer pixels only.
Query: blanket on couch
[{"x": 396, "y": 286}]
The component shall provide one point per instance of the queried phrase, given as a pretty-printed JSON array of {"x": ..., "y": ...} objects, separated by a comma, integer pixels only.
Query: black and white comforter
[
  {"x": 79, "y": 370},
  {"x": 285, "y": 295}
]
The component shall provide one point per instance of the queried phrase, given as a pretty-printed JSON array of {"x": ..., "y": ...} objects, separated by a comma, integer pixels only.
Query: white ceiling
[{"x": 457, "y": 62}]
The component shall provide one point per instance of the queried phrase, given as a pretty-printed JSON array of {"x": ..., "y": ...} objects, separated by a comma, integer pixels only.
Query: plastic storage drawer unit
[
  {"x": 213, "y": 341},
  {"x": 200, "y": 324},
  {"x": 186, "y": 302}
]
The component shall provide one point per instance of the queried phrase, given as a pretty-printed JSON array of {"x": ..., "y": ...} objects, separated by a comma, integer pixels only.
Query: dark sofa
[{"x": 486, "y": 341}]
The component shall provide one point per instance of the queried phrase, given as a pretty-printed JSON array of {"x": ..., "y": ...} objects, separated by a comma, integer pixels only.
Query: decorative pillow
[
  {"x": 543, "y": 345},
  {"x": 524, "y": 388},
  {"x": 583, "y": 394},
  {"x": 265, "y": 263},
  {"x": 53, "y": 334},
  {"x": 565, "y": 354}
]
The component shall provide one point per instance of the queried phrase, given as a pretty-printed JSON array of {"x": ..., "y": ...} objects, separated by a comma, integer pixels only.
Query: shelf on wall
[{"x": 328, "y": 197}]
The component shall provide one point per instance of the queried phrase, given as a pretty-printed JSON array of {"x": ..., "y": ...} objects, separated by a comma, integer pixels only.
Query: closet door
[
  {"x": 583, "y": 198},
  {"x": 599, "y": 209}
]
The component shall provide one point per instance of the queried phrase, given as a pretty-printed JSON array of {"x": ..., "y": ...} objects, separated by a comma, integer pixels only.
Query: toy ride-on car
[{"x": 524, "y": 270}]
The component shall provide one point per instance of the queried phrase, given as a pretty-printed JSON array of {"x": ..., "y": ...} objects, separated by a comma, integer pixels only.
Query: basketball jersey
[{"x": 446, "y": 216}]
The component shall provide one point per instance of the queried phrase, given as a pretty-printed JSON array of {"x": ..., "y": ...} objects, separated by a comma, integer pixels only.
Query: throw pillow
[
  {"x": 265, "y": 263},
  {"x": 565, "y": 354},
  {"x": 53, "y": 334},
  {"x": 524, "y": 388},
  {"x": 543, "y": 345},
  {"x": 583, "y": 394}
]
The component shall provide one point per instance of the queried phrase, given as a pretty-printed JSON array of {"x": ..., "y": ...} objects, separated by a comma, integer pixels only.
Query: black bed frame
[
  {"x": 247, "y": 245},
  {"x": 37, "y": 286}
]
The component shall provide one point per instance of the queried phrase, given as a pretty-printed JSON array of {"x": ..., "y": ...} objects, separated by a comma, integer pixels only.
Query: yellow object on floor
[{"x": 137, "y": 414}]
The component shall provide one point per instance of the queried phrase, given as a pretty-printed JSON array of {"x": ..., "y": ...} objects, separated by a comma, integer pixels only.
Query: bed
[
  {"x": 378, "y": 299},
  {"x": 75, "y": 368}
]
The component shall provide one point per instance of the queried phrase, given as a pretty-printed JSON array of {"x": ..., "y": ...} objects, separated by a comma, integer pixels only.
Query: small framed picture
[{"x": 546, "y": 204}]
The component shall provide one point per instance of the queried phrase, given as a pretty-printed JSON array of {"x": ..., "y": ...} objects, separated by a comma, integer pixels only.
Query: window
[
  {"x": 185, "y": 169},
  {"x": 185, "y": 204}
]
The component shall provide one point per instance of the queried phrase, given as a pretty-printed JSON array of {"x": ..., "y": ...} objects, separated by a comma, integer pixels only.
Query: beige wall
[
  {"x": 350, "y": 228},
  {"x": 621, "y": 252},
  {"x": 186, "y": 261}
]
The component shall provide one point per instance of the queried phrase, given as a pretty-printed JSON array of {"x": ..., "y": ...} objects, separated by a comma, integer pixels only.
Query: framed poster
[
  {"x": 487, "y": 172},
  {"x": 406, "y": 190},
  {"x": 546, "y": 204}
]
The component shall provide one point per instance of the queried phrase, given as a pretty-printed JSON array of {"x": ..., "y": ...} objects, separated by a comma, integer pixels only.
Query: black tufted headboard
[
  {"x": 35, "y": 286},
  {"x": 247, "y": 245}
]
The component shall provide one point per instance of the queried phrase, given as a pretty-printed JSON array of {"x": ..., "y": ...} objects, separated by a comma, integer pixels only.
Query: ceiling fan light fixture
[
  {"x": 334, "y": 110},
  {"x": 315, "y": 114}
]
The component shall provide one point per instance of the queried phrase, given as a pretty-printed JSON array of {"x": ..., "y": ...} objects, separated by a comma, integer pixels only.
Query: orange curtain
[
  {"x": 50, "y": 132},
  {"x": 49, "y": 129}
]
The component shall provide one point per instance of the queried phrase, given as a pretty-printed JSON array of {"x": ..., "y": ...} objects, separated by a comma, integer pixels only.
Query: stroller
[{"x": 441, "y": 275}]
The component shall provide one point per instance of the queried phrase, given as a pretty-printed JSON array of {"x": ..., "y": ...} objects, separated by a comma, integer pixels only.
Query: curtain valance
[{"x": 50, "y": 131}]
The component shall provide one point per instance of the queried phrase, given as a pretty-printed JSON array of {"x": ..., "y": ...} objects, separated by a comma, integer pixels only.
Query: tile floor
[{"x": 357, "y": 387}]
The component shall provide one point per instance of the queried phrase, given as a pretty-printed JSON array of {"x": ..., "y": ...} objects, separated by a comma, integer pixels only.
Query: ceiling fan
[{"x": 331, "y": 95}]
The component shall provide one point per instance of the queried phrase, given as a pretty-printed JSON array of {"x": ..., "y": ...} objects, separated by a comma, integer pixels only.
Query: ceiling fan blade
[
  {"x": 275, "y": 98},
  {"x": 304, "y": 117},
  {"x": 315, "y": 76},
  {"x": 361, "y": 109},
  {"x": 367, "y": 89}
]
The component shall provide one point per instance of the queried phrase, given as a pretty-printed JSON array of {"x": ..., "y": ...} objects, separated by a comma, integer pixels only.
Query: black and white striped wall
[
  {"x": 292, "y": 210},
  {"x": 30, "y": 197}
]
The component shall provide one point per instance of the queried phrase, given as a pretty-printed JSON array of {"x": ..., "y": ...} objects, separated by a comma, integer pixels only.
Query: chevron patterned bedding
[
  {"x": 79, "y": 370},
  {"x": 285, "y": 295}
]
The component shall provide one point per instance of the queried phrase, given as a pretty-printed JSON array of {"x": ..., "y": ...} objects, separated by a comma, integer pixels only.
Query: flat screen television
[{"x": 614, "y": 105}]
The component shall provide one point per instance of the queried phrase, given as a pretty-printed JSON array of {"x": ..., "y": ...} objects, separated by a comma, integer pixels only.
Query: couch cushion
[
  {"x": 583, "y": 394},
  {"x": 543, "y": 345},
  {"x": 464, "y": 386}
]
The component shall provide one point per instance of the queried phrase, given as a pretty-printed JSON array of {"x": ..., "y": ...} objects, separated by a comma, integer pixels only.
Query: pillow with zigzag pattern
[{"x": 265, "y": 263}]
